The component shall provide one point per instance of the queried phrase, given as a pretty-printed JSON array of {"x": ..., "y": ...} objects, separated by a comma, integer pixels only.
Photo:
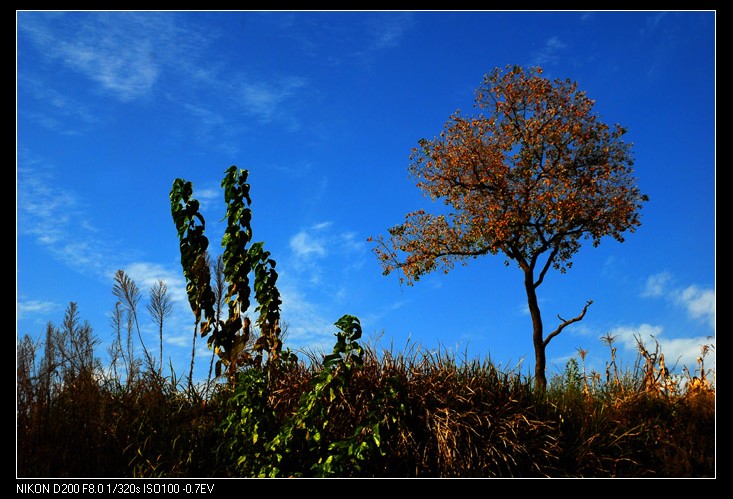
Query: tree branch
[
  {"x": 567, "y": 323},
  {"x": 546, "y": 267}
]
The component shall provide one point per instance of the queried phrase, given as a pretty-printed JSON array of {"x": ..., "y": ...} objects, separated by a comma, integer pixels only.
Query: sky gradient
[{"x": 323, "y": 109}]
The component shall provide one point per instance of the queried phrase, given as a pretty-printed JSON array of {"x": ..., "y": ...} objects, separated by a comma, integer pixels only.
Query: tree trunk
[{"x": 537, "y": 331}]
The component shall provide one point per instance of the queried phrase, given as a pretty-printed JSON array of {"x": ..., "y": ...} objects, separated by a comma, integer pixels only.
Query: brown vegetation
[{"x": 411, "y": 414}]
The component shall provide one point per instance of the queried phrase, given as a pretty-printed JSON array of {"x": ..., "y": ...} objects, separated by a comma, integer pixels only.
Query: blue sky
[{"x": 323, "y": 109}]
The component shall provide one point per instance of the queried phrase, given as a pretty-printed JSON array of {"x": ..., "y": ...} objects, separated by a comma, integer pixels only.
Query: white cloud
[
  {"x": 130, "y": 73},
  {"x": 700, "y": 303},
  {"x": 586, "y": 16},
  {"x": 350, "y": 242},
  {"x": 56, "y": 218},
  {"x": 656, "y": 285},
  {"x": 211, "y": 128},
  {"x": 208, "y": 197},
  {"x": 180, "y": 340},
  {"x": 123, "y": 52},
  {"x": 125, "y": 55},
  {"x": 549, "y": 53},
  {"x": 28, "y": 307},
  {"x": 554, "y": 43},
  {"x": 386, "y": 30},
  {"x": 58, "y": 111},
  {"x": 311, "y": 285},
  {"x": 304, "y": 245},
  {"x": 146, "y": 275},
  {"x": 627, "y": 334},
  {"x": 264, "y": 99},
  {"x": 678, "y": 352},
  {"x": 373, "y": 319},
  {"x": 307, "y": 326},
  {"x": 309, "y": 247}
]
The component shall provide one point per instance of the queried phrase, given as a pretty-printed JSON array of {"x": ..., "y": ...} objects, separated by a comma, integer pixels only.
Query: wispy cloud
[
  {"x": 311, "y": 282},
  {"x": 656, "y": 285},
  {"x": 311, "y": 245},
  {"x": 56, "y": 217},
  {"x": 60, "y": 113},
  {"x": 304, "y": 245},
  {"x": 312, "y": 241},
  {"x": 59, "y": 221},
  {"x": 260, "y": 101},
  {"x": 26, "y": 308},
  {"x": 208, "y": 194},
  {"x": 146, "y": 275},
  {"x": 386, "y": 30},
  {"x": 307, "y": 324},
  {"x": 127, "y": 55},
  {"x": 210, "y": 128},
  {"x": 549, "y": 53},
  {"x": 265, "y": 100},
  {"x": 209, "y": 197},
  {"x": 122, "y": 52},
  {"x": 698, "y": 302},
  {"x": 308, "y": 246},
  {"x": 373, "y": 319},
  {"x": 679, "y": 352},
  {"x": 381, "y": 31}
]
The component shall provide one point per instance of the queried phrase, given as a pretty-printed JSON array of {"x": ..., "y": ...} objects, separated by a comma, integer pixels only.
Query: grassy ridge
[{"x": 359, "y": 413}]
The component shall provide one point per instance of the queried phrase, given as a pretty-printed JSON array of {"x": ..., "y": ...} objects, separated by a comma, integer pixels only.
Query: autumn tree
[{"x": 531, "y": 174}]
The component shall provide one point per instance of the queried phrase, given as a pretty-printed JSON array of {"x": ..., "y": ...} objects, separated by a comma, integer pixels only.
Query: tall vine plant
[
  {"x": 257, "y": 440},
  {"x": 229, "y": 338}
]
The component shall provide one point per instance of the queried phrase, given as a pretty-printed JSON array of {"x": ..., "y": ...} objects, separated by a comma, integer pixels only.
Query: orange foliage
[{"x": 533, "y": 171}]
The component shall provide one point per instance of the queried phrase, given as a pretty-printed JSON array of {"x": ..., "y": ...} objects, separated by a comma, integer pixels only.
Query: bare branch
[{"x": 567, "y": 323}]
